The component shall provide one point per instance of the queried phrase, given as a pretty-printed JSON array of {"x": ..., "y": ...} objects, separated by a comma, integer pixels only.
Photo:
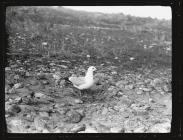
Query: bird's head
[{"x": 92, "y": 68}]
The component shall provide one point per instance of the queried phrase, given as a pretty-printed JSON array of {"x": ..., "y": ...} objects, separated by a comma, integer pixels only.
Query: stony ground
[{"x": 38, "y": 99}]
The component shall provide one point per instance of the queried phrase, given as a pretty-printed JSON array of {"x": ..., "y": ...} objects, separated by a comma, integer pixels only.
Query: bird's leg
[{"x": 80, "y": 93}]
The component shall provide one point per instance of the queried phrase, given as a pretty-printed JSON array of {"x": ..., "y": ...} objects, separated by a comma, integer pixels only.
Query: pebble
[
  {"x": 45, "y": 131},
  {"x": 27, "y": 74},
  {"x": 63, "y": 66},
  {"x": 16, "y": 122},
  {"x": 129, "y": 87},
  {"x": 73, "y": 117},
  {"x": 120, "y": 93},
  {"x": 14, "y": 109},
  {"x": 39, "y": 95},
  {"x": 165, "y": 88},
  {"x": 14, "y": 66},
  {"x": 78, "y": 101},
  {"x": 45, "y": 82},
  {"x": 52, "y": 64},
  {"x": 140, "y": 130},
  {"x": 113, "y": 72},
  {"x": 18, "y": 100},
  {"x": 89, "y": 130},
  {"x": 12, "y": 91},
  {"x": 7, "y": 69},
  {"x": 44, "y": 114},
  {"x": 18, "y": 85},
  {"x": 139, "y": 92},
  {"x": 146, "y": 89},
  {"x": 104, "y": 111},
  {"x": 77, "y": 128}
]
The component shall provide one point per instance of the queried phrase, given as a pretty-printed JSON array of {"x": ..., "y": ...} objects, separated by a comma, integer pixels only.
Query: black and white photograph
[{"x": 88, "y": 69}]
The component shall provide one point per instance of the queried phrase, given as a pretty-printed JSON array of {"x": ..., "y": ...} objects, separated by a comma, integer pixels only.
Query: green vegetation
[{"x": 74, "y": 34}]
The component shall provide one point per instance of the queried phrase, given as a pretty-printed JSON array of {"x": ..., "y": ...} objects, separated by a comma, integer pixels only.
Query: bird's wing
[{"x": 77, "y": 80}]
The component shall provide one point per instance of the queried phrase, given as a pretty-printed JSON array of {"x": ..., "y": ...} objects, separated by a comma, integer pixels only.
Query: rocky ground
[{"x": 38, "y": 99}]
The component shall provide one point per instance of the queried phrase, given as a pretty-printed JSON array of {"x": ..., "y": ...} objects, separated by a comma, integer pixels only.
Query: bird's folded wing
[{"x": 77, "y": 80}]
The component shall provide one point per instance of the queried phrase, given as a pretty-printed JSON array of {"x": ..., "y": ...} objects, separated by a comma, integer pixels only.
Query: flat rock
[
  {"x": 77, "y": 128},
  {"x": 141, "y": 129},
  {"x": 117, "y": 130},
  {"x": 72, "y": 117},
  {"x": 39, "y": 94}
]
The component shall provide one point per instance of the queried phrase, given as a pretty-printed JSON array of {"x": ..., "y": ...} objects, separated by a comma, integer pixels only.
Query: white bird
[{"x": 84, "y": 82}]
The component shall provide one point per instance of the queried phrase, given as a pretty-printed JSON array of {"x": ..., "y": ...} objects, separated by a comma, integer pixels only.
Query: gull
[{"x": 86, "y": 82}]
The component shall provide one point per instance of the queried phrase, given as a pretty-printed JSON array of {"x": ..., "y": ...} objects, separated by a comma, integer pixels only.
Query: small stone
[
  {"x": 78, "y": 128},
  {"x": 140, "y": 130},
  {"x": 151, "y": 100},
  {"x": 14, "y": 66},
  {"x": 18, "y": 85},
  {"x": 7, "y": 69},
  {"x": 14, "y": 109},
  {"x": 116, "y": 130},
  {"x": 90, "y": 130},
  {"x": 73, "y": 117},
  {"x": 146, "y": 89},
  {"x": 27, "y": 74},
  {"x": 45, "y": 82},
  {"x": 16, "y": 77},
  {"x": 129, "y": 87},
  {"x": 52, "y": 64},
  {"x": 39, "y": 95},
  {"x": 41, "y": 76},
  {"x": 63, "y": 66},
  {"x": 16, "y": 122},
  {"x": 85, "y": 62},
  {"x": 104, "y": 111},
  {"x": 78, "y": 101},
  {"x": 45, "y": 131},
  {"x": 44, "y": 114},
  {"x": 18, "y": 99},
  {"x": 120, "y": 93},
  {"x": 113, "y": 72},
  {"x": 165, "y": 88},
  {"x": 62, "y": 83},
  {"x": 139, "y": 92}
]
